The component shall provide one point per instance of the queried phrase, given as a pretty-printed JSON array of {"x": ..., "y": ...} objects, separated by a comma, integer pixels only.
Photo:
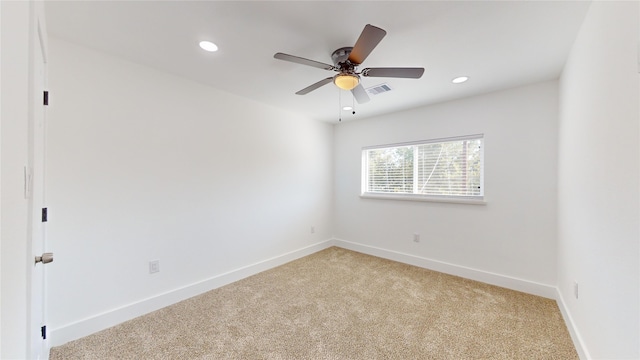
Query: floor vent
[{"x": 378, "y": 89}]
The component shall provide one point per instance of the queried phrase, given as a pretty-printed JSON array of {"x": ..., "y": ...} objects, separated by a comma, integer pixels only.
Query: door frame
[
  {"x": 37, "y": 339},
  {"x": 16, "y": 260}
]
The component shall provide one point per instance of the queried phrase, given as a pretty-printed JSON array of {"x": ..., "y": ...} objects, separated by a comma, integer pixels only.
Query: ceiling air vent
[{"x": 378, "y": 89}]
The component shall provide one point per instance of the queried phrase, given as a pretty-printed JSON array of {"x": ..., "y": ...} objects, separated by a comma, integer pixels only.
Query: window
[{"x": 427, "y": 170}]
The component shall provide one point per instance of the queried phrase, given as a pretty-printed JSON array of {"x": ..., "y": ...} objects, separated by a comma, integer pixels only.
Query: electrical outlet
[
  {"x": 416, "y": 237},
  {"x": 154, "y": 266},
  {"x": 313, "y": 229},
  {"x": 575, "y": 289}
]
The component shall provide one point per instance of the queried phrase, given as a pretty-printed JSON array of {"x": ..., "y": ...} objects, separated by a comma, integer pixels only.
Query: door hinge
[
  {"x": 44, "y": 214},
  {"x": 43, "y": 332},
  {"x": 46, "y": 98}
]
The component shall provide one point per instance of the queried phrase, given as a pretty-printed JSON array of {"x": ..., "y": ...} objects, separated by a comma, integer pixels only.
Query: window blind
[{"x": 450, "y": 167}]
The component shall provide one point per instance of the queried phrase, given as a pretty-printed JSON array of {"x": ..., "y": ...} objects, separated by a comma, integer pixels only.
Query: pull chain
[
  {"x": 353, "y": 105},
  {"x": 339, "y": 107}
]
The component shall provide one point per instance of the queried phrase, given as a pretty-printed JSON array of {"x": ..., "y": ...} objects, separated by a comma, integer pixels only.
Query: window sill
[{"x": 461, "y": 200}]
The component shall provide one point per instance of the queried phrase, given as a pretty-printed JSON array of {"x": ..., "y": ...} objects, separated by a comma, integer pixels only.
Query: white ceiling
[{"x": 498, "y": 44}]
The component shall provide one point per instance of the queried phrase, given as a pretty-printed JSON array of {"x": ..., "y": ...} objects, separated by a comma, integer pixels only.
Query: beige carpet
[{"x": 339, "y": 304}]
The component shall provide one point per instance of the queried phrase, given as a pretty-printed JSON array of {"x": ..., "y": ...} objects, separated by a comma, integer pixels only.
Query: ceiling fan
[{"x": 347, "y": 59}]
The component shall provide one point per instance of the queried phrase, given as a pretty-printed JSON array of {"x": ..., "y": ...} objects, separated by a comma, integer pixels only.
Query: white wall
[
  {"x": 143, "y": 165},
  {"x": 14, "y": 60},
  {"x": 510, "y": 241},
  {"x": 598, "y": 183}
]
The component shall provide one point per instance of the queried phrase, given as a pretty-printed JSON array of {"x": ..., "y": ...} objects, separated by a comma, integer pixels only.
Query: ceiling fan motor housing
[
  {"x": 341, "y": 55},
  {"x": 347, "y": 78}
]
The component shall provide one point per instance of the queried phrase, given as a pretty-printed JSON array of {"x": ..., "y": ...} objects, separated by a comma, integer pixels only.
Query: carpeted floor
[{"x": 339, "y": 304}]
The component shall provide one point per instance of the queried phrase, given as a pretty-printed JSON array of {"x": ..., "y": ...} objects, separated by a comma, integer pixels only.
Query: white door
[{"x": 38, "y": 343}]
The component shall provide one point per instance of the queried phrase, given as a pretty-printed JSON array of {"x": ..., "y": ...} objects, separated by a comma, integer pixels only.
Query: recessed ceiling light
[
  {"x": 460, "y": 79},
  {"x": 208, "y": 46},
  {"x": 347, "y": 108}
]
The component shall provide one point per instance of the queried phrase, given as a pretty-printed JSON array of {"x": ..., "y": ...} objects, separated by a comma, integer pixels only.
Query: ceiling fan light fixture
[{"x": 346, "y": 81}]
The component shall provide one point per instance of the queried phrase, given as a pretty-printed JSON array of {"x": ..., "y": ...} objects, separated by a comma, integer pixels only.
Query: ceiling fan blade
[
  {"x": 409, "y": 73},
  {"x": 368, "y": 40},
  {"x": 360, "y": 94},
  {"x": 310, "y": 88},
  {"x": 303, "y": 61}
]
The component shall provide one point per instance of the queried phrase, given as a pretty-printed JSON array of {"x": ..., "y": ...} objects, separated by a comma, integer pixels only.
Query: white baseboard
[
  {"x": 573, "y": 330},
  {"x": 508, "y": 282},
  {"x": 107, "y": 319}
]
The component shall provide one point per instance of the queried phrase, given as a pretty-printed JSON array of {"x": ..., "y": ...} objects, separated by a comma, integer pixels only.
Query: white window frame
[{"x": 475, "y": 199}]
